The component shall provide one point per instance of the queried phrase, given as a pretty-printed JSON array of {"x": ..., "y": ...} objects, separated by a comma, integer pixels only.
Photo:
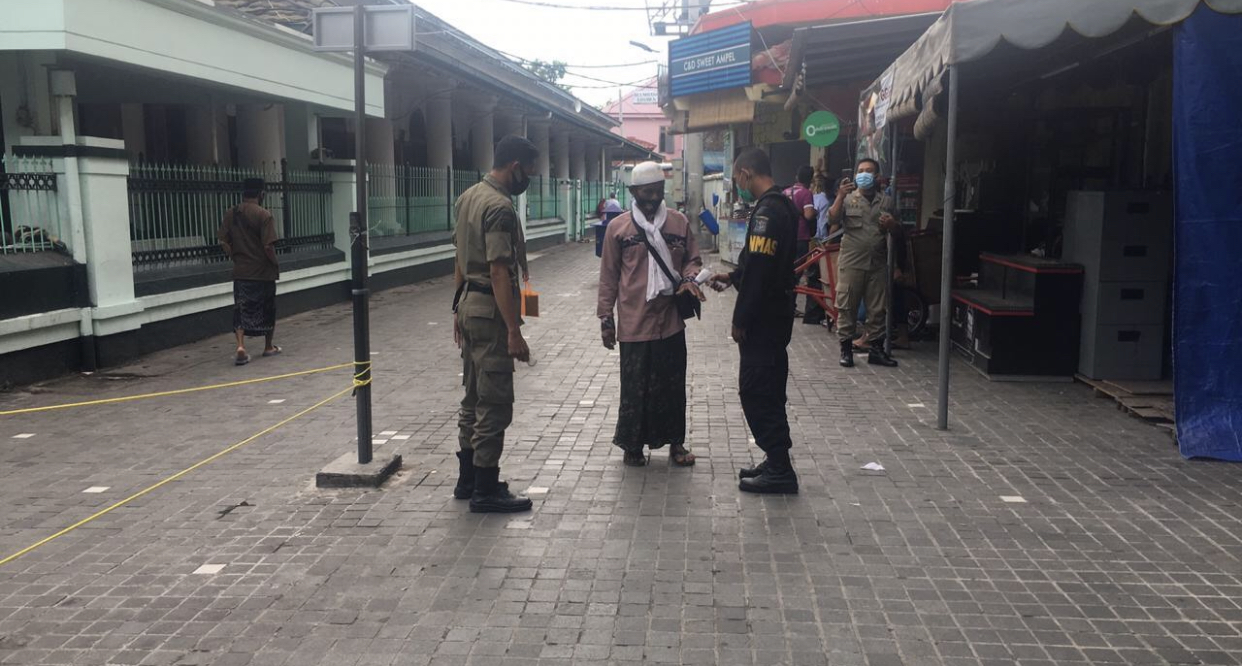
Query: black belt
[{"x": 470, "y": 286}]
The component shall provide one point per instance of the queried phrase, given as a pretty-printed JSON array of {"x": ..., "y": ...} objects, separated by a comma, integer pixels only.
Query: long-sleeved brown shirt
[{"x": 623, "y": 278}]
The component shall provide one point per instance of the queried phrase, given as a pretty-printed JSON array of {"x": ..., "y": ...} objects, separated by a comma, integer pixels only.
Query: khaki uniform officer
[
  {"x": 867, "y": 217},
  {"x": 490, "y": 251}
]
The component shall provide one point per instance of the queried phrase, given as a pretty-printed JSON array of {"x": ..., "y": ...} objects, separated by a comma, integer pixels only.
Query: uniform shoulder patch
[{"x": 762, "y": 222}]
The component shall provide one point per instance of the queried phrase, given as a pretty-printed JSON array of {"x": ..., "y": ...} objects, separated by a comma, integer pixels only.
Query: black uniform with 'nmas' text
[{"x": 765, "y": 281}]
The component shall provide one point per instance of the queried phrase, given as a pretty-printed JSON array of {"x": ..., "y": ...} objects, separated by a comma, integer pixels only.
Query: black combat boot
[
  {"x": 493, "y": 496},
  {"x": 752, "y": 472},
  {"x": 847, "y": 353},
  {"x": 778, "y": 479},
  {"x": 465, "y": 474},
  {"x": 877, "y": 356}
]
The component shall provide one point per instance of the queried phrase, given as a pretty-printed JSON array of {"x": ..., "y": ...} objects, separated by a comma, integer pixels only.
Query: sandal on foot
[
  {"x": 680, "y": 456},
  {"x": 242, "y": 358},
  {"x": 274, "y": 351},
  {"x": 634, "y": 459}
]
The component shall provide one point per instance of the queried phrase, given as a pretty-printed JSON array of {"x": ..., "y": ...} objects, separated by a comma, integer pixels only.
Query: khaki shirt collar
[{"x": 496, "y": 185}]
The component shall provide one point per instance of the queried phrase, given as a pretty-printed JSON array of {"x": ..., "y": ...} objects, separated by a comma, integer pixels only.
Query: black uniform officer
[{"x": 763, "y": 321}]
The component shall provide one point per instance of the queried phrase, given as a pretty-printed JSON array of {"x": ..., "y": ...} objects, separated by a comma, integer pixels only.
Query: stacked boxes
[{"x": 1124, "y": 242}]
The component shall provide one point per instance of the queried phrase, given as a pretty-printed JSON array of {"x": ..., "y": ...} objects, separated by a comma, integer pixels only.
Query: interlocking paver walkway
[{"x": 1121, "y": 552}]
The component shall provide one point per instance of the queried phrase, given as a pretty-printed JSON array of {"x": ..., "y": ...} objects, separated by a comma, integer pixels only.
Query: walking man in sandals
[
  {"x": 248, "y": 236},
  {"x": 647, "y": 324}
]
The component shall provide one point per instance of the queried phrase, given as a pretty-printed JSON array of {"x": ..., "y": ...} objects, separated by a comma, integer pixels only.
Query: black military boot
[
  {"x": 465, "y": 474},
  {"x": 493, "y": 496},
  {"x": 877, "y": 356},
  {"x": 752, "y": 472},
  {"x": 847, "y": 353},
  {"x": 778, "y": 479}
]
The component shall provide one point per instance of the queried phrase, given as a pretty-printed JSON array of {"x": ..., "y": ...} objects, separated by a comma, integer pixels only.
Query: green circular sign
[{"x": 821, "y": 129}]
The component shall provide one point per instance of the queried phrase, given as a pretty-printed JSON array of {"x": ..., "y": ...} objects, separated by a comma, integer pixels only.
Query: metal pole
[
  {"x": 358, "y": 244},
  {"x": 946, "y": 259},
  {"x": 888, "y": 278}
]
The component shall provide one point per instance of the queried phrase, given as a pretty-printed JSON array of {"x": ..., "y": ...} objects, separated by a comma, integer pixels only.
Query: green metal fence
[
  {"x": 543, "y": 198},
  {"x": 592, "y": 194},
  {"x": 30, "y": 218},
  {"x": 404, "y": 200},
  {"x": 175, "y": 211}
]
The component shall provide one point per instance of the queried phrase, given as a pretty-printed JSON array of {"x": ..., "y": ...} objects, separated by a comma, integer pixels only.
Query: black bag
[{"x": 688, "y": 305}]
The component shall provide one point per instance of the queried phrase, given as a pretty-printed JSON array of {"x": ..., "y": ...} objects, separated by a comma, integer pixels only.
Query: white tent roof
[{"x": 970, "y": 30}]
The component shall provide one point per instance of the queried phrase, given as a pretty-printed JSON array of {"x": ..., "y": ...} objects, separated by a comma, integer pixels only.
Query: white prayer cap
[{"x": 646, "y": 174}]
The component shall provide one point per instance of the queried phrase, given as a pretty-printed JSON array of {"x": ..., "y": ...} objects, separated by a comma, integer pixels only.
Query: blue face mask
[{"x": 865, "y": 181}]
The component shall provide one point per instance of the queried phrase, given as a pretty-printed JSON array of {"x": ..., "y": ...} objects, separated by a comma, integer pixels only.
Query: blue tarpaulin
[{"x": 1207, "y": 346}]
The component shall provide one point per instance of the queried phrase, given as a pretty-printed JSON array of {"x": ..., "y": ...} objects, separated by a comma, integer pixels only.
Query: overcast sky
[{"x": 574, "y": 36}]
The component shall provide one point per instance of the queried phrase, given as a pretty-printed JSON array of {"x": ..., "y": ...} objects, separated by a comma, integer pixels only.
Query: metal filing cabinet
[{"x": 1124, "y": 241}]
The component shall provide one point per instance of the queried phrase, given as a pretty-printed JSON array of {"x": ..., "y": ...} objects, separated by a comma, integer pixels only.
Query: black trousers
[
  {"x": 812, "y": 313},
  {"x": 762, "y": 384}
]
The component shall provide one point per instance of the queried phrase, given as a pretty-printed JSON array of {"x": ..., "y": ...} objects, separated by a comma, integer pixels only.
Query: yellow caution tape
[
  {"x": 161, "y": 394},
  {"x": 176, "y": 476}
]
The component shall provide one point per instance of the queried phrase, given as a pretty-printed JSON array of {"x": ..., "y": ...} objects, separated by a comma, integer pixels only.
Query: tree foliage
[{"x": 552, "y": 72}]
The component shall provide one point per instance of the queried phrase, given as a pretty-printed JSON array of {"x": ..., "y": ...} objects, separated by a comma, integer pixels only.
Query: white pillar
[
  {"x": 594, "y": 162},
  {"x": 344, "y": 200},
  {"x": 560, "y": 153},
  {"x": 692, "y": 161},
  {"x": 483, "y": 134},
  {"x": 105, "y": 212},
  {"x": 134, "y": 129},
  {"x": 508, "y": 122},
  {"x": 438, "y": 111},
  {"x": 577, "y": 159},
  {"x": 260, "y": 136},
  {"x": 537, "y": 132},
  {"x": 301, "y": 135},
  {"x": 560, "y": 188}
]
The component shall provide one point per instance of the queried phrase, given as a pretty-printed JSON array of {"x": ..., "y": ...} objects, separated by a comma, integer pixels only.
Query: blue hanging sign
[{"x": 717, "y": 60}]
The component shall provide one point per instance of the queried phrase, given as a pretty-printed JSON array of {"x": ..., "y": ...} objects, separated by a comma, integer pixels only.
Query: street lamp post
[{"x": 361, "y": 29}]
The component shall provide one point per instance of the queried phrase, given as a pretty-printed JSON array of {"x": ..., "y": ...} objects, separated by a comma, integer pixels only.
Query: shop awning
[
  {"x": 852, "y": 51},
  {"x": 970, "y": 31},
  {"x": 719, "y": 109}
]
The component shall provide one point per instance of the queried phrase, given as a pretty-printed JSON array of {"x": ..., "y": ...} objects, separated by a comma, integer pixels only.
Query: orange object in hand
[{"x": 530, "y": 301}]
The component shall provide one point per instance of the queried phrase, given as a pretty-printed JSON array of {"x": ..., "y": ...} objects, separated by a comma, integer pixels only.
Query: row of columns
[{"x": 268, "y": 133}]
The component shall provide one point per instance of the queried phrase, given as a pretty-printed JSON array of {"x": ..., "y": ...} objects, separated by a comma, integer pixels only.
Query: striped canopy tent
[{"x": 970, "y": 32}]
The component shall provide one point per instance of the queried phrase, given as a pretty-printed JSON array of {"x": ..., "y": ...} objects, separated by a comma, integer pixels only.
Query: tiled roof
[{"x": 291, "y": 13}]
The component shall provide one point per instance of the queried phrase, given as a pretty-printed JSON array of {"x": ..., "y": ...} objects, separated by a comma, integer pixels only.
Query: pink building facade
[{"x": 642, "y": 121}]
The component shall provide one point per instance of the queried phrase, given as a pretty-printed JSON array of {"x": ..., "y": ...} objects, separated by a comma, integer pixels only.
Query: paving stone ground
[{"x": 1119, "y": 552}]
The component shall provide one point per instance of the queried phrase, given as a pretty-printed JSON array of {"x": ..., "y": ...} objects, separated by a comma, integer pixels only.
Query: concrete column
[
  {"x": 594, "y": 162},
  {"x": 381, "y": 141},
  {"x": 483, "y": 134},
  {"x": 134, "y": 130},
  {"x": 560, "y": 154},
  {"x": 260, "y": 136},
  {"x": 692, "y": 161},
  {"x": 438, "y": 111},
  {"x": 41, "y": 104},
  {"x": 105, "y": 213},
  {"x": 508, "y": 122},
  {"x": 577, "y": 159},
  {"x": 537, "y": 132},
  {"x": 201, "y": 135},
  {"x": 224, "y": 155},
  {"x": 301, "y": 135}
]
